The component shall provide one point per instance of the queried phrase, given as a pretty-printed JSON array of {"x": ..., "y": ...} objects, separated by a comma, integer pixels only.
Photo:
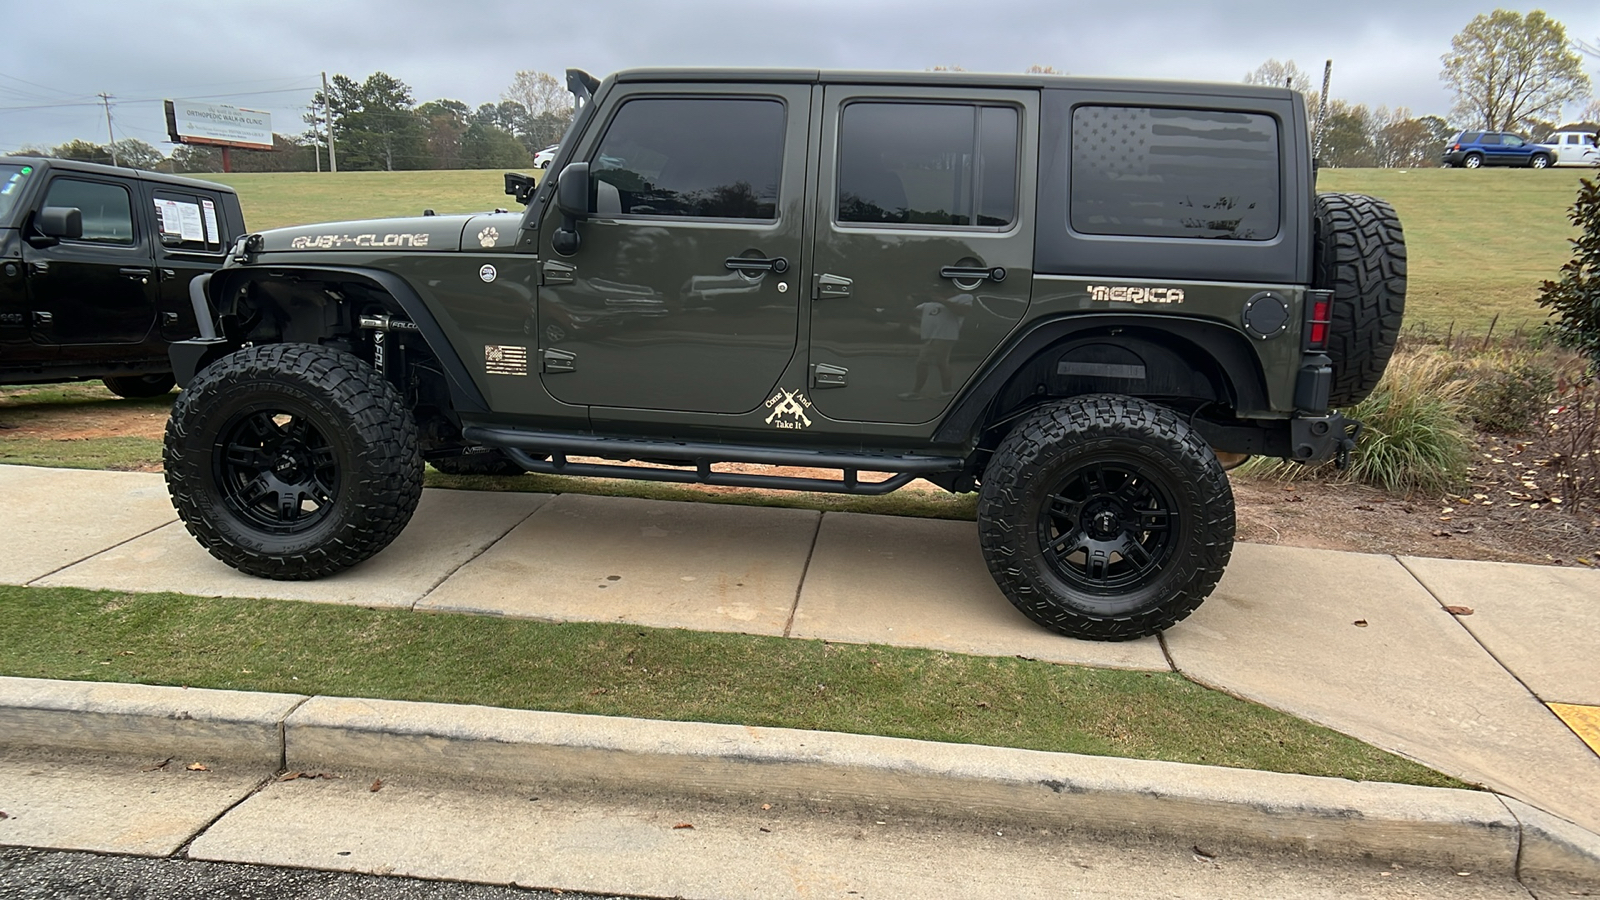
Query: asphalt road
[{"x": 27, "y": 874}]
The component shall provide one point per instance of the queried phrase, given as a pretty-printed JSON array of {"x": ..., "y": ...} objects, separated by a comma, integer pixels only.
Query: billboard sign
[{"x": 190, "y": 122}]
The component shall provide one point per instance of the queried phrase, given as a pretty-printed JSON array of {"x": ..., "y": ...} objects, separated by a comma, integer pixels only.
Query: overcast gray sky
[{"x": 59, "y": 55}]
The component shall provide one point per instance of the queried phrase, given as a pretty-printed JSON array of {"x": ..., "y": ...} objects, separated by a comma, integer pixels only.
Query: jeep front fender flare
[
  {"x": 464, "y": 393},
  {"x": 1228, "y": 348}
]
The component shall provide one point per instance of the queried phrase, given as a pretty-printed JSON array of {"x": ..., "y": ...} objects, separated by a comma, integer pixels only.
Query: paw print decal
[{"x": 488, "y": 237}]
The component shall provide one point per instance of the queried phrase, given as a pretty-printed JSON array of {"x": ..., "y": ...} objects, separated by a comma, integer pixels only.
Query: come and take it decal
[{"x": 788, "y": 410}]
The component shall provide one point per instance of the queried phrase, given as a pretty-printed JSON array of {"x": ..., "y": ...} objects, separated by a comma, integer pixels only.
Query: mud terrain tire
[
  {"x": 1105, "y": 517},
  {"x": 1361, "y": 257},
  {"x": 292, "y": 461}
]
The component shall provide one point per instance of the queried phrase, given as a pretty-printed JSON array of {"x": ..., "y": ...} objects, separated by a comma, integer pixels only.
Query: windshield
[{"x": 12, "y": 179}]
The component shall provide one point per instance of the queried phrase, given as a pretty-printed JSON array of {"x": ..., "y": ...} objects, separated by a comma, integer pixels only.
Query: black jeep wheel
[
  {"x": 139, "y": 387},
  {"x": 478, "y": 461},
  {"x": 1105, "y": 517},
  {"x": 1361, "y": 257},
  {"x": 292, "y": 461}
]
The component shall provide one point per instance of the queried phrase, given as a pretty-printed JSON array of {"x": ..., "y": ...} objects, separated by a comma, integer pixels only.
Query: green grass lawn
[
  {"x": 628, "y": 670},
  {"x": 1480, "y": 242}
]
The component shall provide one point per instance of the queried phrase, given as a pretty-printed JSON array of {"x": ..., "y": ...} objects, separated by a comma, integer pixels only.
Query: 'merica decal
[
  {"x": 336, "y": 241},
  {"x": 1127, "y": 294}
]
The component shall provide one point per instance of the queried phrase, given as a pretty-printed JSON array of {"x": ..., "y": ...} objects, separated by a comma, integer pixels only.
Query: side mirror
[
  {"x": 572, "y": 198},
  {"x": 572, "y": 190},
  {"x": 59, "y": 222}
]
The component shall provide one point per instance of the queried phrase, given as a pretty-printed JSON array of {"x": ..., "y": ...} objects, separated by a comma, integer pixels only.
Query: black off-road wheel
[
  {"x": 1105, "y": 518},
  {"x": 139, "y": 387},
  {"x": 292, "y": 461},
  {"x": 478, "y": 461},
  {"x": 1361, "y": 257}
]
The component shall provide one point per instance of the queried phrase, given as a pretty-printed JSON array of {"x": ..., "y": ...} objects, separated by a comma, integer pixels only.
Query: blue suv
[{"x": 1471, "y": 149}]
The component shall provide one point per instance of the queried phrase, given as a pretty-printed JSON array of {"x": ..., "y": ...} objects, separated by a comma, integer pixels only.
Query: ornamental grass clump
[{"x": 1413, "y": 439}]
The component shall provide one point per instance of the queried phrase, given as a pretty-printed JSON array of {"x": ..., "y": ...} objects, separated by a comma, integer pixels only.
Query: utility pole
[
  {"x": 327, "y": 121},
  {"x": 112, "y": 145}
]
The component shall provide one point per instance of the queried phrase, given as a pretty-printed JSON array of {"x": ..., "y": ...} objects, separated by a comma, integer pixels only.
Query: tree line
[{"x": 1509, "y": 72}]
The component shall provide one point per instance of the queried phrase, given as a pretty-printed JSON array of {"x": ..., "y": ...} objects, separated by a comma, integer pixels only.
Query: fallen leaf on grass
[
  {"x": 766, "y": 806},
  {"x": 683, "y": 825},
  {"x": 1360, "y": 623},
  {"x": 1458, "y": 610},
  {"x": 1441, "y": 533},
  {"x": 198, "y": 767},
  {"x": 377, "y": 785}
]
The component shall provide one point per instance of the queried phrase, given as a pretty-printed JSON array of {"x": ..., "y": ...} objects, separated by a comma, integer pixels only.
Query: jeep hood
[{"x": 427, "y": 234}]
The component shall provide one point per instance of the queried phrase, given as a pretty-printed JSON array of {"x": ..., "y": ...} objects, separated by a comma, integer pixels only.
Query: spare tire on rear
[{"x": 1361, "y": 257}]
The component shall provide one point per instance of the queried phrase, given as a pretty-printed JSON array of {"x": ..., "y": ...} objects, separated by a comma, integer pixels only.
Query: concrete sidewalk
[{"x": 1360, "y": 643}]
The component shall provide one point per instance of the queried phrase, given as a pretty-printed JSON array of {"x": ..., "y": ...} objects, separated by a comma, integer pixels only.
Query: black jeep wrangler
[
  {"x": 95, "y": 263},
  {"x": 1079, "y": 297}
]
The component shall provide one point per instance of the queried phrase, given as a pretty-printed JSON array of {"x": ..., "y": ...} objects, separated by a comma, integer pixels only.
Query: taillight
[
  {"x": 1321, "y": 318},
  {"x": 1455, "y": 147}
]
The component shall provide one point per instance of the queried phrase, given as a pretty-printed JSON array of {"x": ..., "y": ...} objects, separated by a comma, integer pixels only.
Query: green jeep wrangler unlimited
[{"x": 1077, "y": 296}]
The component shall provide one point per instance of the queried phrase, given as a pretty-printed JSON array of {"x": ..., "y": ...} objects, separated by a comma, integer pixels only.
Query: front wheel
[
  {"x": 1105, "y": 518},
  {"x": 292, "y": 461}
]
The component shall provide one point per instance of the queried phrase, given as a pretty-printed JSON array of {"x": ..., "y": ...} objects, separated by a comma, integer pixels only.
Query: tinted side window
[
  {"x": 1470, "y": 137},
  {"x": 1179, "y": 173},
  {"x": 1489, "y": 139},
  {"x": 709, "y": 158},
  {"x": 927, "y": 164},
  {"x": 107, "y": 209}
]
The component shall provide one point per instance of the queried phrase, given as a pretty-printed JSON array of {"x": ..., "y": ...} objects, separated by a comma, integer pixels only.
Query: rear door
[
  {"x": 99, "y": 289},
  {"x": 924, "y": 244},
  {"x": 680, "y": 296}
]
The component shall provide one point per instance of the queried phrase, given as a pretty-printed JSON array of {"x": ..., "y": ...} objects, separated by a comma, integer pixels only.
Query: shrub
[
  {"x": 1414, "y": 439},
  {"x": 1506, "y": 394},
  {"x": 1574, "y": 301}
]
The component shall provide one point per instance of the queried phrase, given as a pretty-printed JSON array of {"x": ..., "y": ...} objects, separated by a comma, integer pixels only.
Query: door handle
[
  {"x": 973, "y": 273},
  {"x": 135, "y": 272},
  {"x": 776, "y": 264}
]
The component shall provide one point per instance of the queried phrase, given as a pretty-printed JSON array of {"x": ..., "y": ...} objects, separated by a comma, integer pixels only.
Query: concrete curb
[{"x": 1214, "y": 807}]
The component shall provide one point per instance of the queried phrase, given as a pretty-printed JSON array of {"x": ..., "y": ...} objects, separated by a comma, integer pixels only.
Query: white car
[
  {"x": 1573, "y": 148},
  {"x": 545, "y": 157}
]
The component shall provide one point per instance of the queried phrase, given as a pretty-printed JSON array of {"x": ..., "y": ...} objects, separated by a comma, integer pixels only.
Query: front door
[
  {"x": 924, "y": 245},
  {"x": 101, "y": 288},
  {"x": 681, "y": 295}
]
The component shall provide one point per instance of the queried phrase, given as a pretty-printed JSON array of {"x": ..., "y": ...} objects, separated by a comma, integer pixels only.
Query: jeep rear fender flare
[
  {"x": 1227, "y": 348},
  {"x": 464, "y": 393}
]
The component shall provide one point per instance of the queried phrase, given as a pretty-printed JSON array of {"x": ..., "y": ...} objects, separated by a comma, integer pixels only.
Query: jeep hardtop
[{"x": 1079, "y": 297}]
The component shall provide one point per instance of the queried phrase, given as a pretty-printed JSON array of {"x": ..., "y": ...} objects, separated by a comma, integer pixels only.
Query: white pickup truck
[{"x": 1573, "y": 148}]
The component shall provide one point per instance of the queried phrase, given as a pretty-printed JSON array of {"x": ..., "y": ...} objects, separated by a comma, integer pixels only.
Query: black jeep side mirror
[
  {"x": 57, "y": 222},
  {"x": 572, "y": 198}
]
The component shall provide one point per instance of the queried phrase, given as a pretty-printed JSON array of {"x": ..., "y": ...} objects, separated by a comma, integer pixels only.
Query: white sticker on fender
[{"x": 505, "y": 359}]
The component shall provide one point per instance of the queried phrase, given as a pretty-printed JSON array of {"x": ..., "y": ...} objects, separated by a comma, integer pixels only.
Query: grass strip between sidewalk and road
[{"x": 629, "y": 670}]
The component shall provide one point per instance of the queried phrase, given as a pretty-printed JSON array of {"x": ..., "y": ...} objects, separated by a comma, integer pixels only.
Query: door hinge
[
  {"x": 824, "y": 375},
  {"x": 556, "y": 272},
  {"x": 825, "y": 285},
  {"x": 557, "y": 361}
]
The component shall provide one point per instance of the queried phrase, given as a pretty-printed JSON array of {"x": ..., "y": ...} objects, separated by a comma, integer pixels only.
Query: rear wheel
[
  {"x": 292, "y": 461},
  {"x": 138, "y": 387},
  {"x": 1539, "y": 161},
  {"x": 1105, "y": 518},
  {"x": 1473, "y": 160}
]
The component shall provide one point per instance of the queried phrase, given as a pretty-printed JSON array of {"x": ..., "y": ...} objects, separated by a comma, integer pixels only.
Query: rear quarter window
[{"x": 1174, "y": 173}]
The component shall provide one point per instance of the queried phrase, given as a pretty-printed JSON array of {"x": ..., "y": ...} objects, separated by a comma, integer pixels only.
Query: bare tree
[
  {"x": 1513, "y": 71},
  {"x": 539, "y": 93},
  {"x": 1037, "y": 69},
  {"x": 1280, "y": 74}
]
